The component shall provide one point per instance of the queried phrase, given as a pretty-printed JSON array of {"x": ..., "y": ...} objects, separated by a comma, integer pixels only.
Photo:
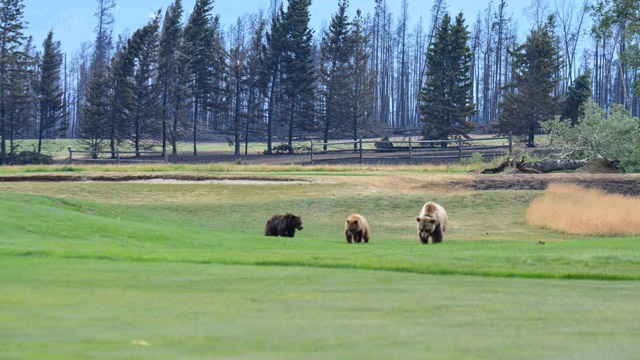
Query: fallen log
[{"x": 537, "y": 167}]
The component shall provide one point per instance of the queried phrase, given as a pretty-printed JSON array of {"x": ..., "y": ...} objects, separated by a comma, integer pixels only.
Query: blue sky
[{"x": 72, "y": 20}]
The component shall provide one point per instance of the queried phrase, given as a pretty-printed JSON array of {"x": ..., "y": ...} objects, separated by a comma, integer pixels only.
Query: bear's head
[
  {"x": 426, "y": 225},
  {"x": 295, "y": 221},
  {"x": 353, "y": 224}
]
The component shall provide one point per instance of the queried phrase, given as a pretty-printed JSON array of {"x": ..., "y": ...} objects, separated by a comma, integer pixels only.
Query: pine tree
[
  {"x": 50, "y": 93},
  {"x": 577, "y": 95},
  {"x": 144, "y": 47},
  {"x": 335, "y": 52},
  {"x": 21, "y": 104},
  {"x": 258, "y": 79},
  {"x": 103, "y": 42},
  {"x": 361, "y": 77},
  {"x": 276, "y": 46},
  {"x": 299, "y": 68},
  {"x": 446, "y": 104},
  {"x": 11, "y": 40},
  {"x": 121, "y": 95},
  {"x": 168, "y": 64},
  {"x": 531, "y": 97},
  {"x": 94, "y": 127},
  {"x": 199, "y": 45}
]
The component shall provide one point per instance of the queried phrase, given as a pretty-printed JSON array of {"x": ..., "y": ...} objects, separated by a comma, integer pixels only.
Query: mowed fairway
[{"x": 182, "y": 271}]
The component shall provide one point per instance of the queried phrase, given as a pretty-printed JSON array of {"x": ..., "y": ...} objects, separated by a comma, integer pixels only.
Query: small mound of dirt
[{"x": 599, "y": 166}]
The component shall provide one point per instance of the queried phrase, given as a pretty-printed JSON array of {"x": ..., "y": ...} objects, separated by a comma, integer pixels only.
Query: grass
[
  {"x": 576, "y": 210},
  {"x": 337, "y": 170},
  {"x": 90, "y": 270}
]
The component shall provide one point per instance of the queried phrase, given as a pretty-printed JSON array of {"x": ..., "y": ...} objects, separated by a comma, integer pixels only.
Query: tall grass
[{"x": 577, "y": 210}]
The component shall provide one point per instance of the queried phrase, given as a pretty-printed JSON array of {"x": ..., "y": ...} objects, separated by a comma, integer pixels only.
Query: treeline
[{"x": 269, "y": 77}]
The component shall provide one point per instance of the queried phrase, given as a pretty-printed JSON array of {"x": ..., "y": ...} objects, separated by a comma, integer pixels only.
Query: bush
[
  {"x": 30, "y": 158},
  {"x": 610, "y": 135},
  {"x": 475, "y": 159}
]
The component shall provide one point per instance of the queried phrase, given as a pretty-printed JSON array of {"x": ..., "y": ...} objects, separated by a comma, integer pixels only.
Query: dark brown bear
[{"x": 283, "y": 225}]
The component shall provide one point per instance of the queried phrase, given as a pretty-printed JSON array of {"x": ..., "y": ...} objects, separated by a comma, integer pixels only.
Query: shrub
[
  {"x": 475, "y": 159},
  {"x": 610, "y": 135},
  {"x": 30, "y": 158}
]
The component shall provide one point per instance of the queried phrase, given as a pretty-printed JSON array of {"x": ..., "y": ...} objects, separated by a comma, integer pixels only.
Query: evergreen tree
[
  {"x": 50, "y": 93},
  {"x": 168, "y": 63},
  {"x": 11, "y": 40},
  {"x": 361, "y": 78},
  {"x": 103, "y": 44},
  {"x": 258, "y": 79},
  {"x": 446, "y": 103},
  {"x": 276, "y": 46},
  {"x": 21, "y": 104},
  {"x": 200, "y": 47},
  {"x": 93, "y": 129},
  {"x": 577, "y": 95},
  {"x": 144, "y": 47},
  {"x": 531, "y": 97},
  {"x": 121, "y": 99},
  {"x": 335, "y": 50},
  {"x": 299, "y": 68}
]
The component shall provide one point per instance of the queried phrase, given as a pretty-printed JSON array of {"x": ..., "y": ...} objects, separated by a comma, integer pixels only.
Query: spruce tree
[
  {"x": 335, "y": 51},
  {"x": 121, "y": 96},
  {"x": 168, "y": 63},
  {"x": 275, "y": 48},
  {"x": 11, "y": 40},
  {"x": 94, "y": 127},
  {"x": 577, "y": 95},
  {"x": 299, "y": 68},
  {"x": 361, "y": 78},
  {"x": 144, "y": 47},
  {"x": 199, "y": 45},
  {"x": 50, "y": 93},
  {"x": 446, "y": 103},
  {"x": 531, "y": 97}
]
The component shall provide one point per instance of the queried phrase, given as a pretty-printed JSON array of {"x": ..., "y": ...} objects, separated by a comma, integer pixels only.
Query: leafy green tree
[
  {"x": 446, "y": 103},
  {"x": 50, "y": 93},
  {"x": 611, "y": 134},
  {"x": 577, "y": 95},
  {"x": 531, "y": 97},
  {"x": 11, "y": 41}
]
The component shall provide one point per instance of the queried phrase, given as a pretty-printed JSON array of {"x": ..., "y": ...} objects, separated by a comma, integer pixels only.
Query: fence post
[
  {"x": 460, "y": 148},
  {"x": 312, "y": 145},
  {"x": 70, "y": 155},
  {"x": 360, "y": 150},
  {"x": 510, "y": 143},
  {"x": 117, "y": 154},
  {"x": 410, "y": 152},
  {"x": 165, "y": 154}
]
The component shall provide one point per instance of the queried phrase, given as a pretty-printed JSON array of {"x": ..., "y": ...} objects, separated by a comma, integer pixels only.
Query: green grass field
[{"x": 152, "y": 271}]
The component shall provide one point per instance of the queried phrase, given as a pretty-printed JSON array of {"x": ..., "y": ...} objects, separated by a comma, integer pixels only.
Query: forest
[{"x": 186, "y": 76}]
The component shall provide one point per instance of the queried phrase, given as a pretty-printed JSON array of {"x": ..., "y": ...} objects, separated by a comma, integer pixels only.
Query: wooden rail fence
[
  {"x": 120, "y": 156},
  {"x": 410, "y": 150}
]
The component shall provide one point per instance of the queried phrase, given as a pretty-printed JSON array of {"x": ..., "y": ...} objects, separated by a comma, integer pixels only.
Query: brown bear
[
  {"x": 283, "y": 225},
  {"x": 357, "y": 229},
  {"x": 432, "y": 222}
]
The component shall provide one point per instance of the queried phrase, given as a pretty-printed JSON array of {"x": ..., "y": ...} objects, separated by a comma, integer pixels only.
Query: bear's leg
[
  {"x": 347, "y": 235},
  {"x": 437, "y": 235},
  {"x": 358, "y": 237},
  {"x": 366, "y": 238},
  {"x": 292, "y": 233}
]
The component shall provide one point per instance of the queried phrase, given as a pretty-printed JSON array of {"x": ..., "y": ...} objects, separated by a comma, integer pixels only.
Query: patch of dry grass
[{"x": 577, "y": 210}]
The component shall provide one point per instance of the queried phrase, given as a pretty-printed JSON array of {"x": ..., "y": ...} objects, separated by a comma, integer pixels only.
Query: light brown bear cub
[
  {"x": 357, "y": 229},
  {"x": 432, "y": 222}
]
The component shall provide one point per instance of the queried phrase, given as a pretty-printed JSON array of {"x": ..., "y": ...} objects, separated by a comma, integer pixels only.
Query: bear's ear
[
  {"x": 433, "y": 221},
  {"x": 356, "y": 222},
  {"x": 418, "y": 219}
]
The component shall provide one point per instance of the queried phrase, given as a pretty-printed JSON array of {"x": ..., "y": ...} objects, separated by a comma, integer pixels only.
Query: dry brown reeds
[{"x": 577, "y": 210}]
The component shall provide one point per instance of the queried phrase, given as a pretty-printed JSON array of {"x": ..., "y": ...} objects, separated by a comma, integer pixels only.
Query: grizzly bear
[
  {"x": 432, "y": 222},
  {"x": 357, "y": 229},
  {"x": 283, "y": 225}
]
